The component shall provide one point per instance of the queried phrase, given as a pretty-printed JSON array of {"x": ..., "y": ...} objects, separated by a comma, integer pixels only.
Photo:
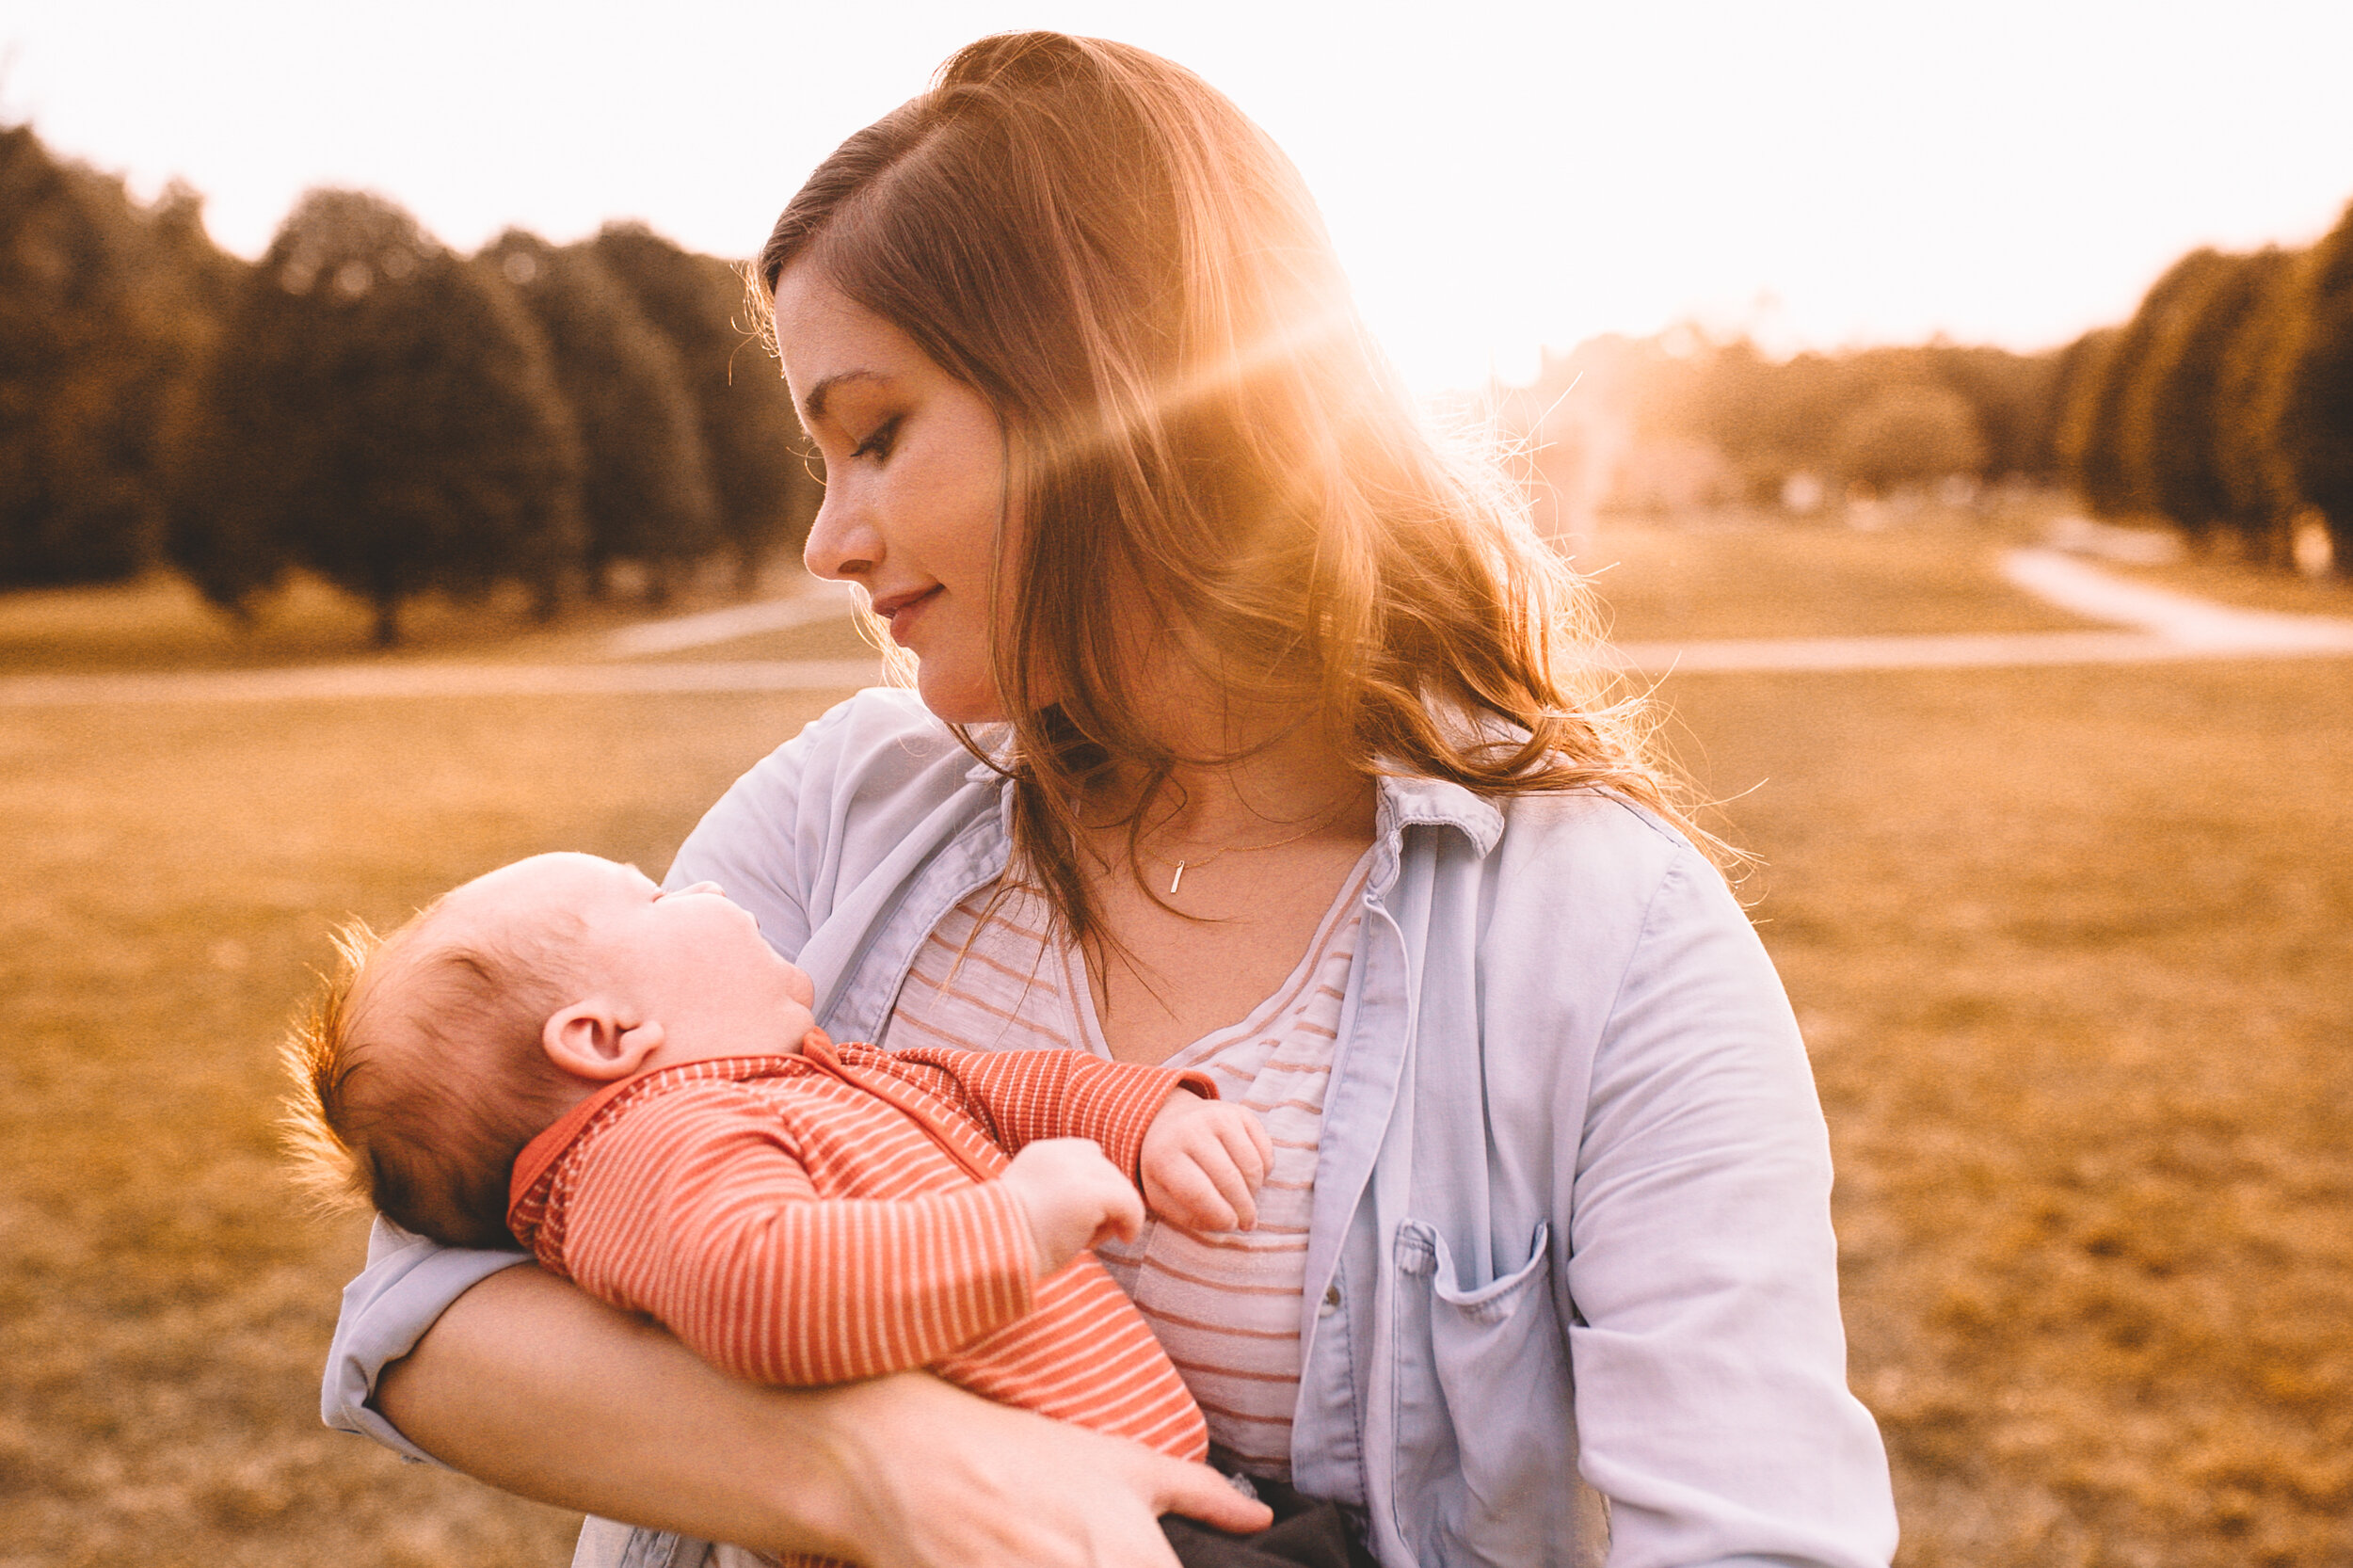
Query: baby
[{"x": 631, "y": 1084}]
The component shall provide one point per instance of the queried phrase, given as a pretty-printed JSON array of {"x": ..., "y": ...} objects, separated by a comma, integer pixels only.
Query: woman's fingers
[
  {"x": 953, "y": 1481},
  {"x": 1200, "y": 1493}
]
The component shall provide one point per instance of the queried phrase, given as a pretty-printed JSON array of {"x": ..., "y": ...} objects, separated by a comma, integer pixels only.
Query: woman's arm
[
  {"x": 531, "y": 1386},
  {"x": 1710, "y": 1368}
]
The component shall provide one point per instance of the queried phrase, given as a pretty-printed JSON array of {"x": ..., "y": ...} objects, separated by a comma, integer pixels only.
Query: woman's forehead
[{"x": 828, "y": 341}]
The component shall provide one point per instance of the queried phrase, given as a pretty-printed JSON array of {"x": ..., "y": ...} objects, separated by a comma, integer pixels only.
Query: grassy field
[
  {"x": 1807, "y": 580},
  {"x": 2070, "y": 947}
]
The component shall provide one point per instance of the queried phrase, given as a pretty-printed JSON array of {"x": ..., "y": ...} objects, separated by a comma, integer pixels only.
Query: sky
[{"x": 1498, "y": 177}]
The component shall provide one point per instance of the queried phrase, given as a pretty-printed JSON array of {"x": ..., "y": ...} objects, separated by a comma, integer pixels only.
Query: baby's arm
[
  {"x": 1198, "y": 1160},
  {"x": 695, "y": 1208}
]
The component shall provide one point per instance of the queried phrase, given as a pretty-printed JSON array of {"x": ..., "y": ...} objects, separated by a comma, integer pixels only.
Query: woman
[{"x": 1238, "y": 701}]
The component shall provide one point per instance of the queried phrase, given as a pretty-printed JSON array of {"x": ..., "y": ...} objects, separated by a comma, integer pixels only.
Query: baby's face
[{"x": 688, "y": 952}]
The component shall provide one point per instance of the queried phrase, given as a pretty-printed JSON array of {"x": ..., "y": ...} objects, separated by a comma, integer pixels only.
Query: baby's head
[{"x": 433, "y": 1055}]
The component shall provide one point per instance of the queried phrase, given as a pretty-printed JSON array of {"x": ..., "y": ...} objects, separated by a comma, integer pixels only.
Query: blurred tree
[
  {"x": 2011, "y": 395},
  {"x": 2103, "y": 473},
  {"x": 1771, "y": 420},
  {"x": 384, "y": 414},
  {"x": 2087, "y": 374},
  {"x": 1909, "y": 433},
  {"x": 2315, "y": 429},
  {"x": 2102, "y": 411},
  {"x": 751, "y": 441},
  {"x": 105, "y": 310},
  {"x": 2170, "y": 415},
  {"x": 644, "y": 491},
  {"x": 2258, "y": 488},
  {"x": 2160, "y": 411}
]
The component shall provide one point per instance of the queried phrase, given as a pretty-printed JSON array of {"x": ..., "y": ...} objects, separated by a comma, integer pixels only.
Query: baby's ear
[{"x": 590, "y": 1040}]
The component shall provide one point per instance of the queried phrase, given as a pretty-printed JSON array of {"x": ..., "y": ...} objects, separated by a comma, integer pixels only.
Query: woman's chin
[{"x": 954, "y": 699}]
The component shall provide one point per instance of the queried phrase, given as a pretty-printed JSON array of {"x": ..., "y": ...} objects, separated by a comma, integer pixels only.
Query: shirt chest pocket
[{"x": 1485, "y": 1428}]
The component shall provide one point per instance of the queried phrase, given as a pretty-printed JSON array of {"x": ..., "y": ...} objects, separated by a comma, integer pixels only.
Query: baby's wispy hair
[
  {"x": 416, "y": 1077},
  {"x": 328, "y": 1170}
]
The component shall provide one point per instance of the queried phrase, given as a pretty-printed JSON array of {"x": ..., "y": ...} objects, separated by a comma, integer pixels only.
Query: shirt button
[{"x": 1331, "y": 1302}]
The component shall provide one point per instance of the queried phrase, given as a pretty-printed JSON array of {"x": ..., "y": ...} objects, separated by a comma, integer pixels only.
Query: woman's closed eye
[{"x": 878, "y": 442}]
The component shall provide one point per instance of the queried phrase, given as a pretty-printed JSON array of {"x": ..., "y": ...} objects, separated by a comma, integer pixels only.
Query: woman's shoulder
[
  {"x": 870, "y": 723},
  {"x": 817, "y": 814},
  {"x": 879, "y": 742},
  {"x": 1596, "y": 864},
  {"x": 1590, "y": 817},
  {"x": 1596, "y": 833}
]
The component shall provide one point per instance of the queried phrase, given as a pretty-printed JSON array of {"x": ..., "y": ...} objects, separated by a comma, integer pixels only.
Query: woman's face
[{"x": 915, "y": 486}]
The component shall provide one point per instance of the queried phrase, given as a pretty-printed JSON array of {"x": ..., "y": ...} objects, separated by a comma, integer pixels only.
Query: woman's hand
[{"x": 946, "y": 1479}]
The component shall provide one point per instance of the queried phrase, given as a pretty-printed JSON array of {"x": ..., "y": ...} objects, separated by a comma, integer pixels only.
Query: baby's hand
[
  {"x": 1203, "y": 1161},
  {"x": 1073, "y": 1197}
]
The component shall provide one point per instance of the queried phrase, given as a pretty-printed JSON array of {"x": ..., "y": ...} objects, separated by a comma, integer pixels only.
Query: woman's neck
[{"x": 1288, "y": 781}]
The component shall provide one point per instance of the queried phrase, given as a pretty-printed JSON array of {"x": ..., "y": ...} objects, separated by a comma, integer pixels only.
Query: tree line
[
  {"x": 2225, "y": 404},
  {"x": 2224, "y": 408},
  {"x": 1755, "y": 430},
  {"x": 366, "y": 403}
]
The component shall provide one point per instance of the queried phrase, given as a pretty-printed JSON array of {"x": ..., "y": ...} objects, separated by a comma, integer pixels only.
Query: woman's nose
[{"x": 843, "y": 547}]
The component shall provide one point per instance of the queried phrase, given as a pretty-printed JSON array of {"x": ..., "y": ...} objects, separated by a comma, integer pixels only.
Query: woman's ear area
[{"x": 592, "y": 1040}]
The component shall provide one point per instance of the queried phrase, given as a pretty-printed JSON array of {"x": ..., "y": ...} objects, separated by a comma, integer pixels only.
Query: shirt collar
[
  {"x": 1407, "y": 801},
  {"x": 1402, "y": 801}
]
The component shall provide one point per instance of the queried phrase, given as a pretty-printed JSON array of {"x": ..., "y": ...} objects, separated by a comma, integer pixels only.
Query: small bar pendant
[{"x": 1174, "y": 880}]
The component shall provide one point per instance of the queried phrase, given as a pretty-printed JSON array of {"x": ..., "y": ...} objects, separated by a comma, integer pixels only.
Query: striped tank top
[{"x": 1225, "y": 1307}]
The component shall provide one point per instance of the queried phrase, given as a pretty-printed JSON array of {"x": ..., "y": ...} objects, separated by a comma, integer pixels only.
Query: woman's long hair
[{"x": 1216, "y": 463}]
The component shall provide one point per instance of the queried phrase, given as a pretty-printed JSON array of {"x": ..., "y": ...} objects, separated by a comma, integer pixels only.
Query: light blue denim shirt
[{"x": 1570, "y": 1234}]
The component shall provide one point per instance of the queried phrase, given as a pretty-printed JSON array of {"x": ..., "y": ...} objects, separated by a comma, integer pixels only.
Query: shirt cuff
[
  {"x": 408, "y": 1284},
  {"x": 1134, "y": 1098}
]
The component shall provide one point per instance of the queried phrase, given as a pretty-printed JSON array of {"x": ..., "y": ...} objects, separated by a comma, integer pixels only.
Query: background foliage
[
  {"x": 365, "y": 405},
  {"x": 2223, "y": 408}
]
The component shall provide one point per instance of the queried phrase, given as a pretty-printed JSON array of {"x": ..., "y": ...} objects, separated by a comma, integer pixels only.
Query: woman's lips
[{"x": 901, "y": 611}]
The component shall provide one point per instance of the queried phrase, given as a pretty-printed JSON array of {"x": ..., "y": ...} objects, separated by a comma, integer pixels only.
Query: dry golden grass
[
  {"x": 2069, "y": 946},
  {"x": 1739, "y": 578}
]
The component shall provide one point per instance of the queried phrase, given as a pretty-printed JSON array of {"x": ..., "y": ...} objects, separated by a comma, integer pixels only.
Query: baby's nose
[{"x": 694, "y": 888}]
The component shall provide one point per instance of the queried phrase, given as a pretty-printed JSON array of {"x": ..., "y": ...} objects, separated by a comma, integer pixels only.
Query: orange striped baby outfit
[{"x": 815, "y": 1219}]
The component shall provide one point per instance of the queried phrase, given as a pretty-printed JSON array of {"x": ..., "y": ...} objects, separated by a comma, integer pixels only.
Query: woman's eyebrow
[{"x": 813, "y": 406}]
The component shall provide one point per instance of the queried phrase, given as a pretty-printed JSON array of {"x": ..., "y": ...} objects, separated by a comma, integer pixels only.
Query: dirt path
[
  {"x": 814, "y": 602},
  {"x": 2156, "y": 625}
]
